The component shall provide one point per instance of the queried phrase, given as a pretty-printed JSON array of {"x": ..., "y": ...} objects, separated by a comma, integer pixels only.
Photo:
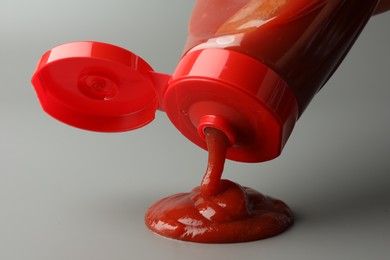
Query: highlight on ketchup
[{"x": 248, "y": 71}]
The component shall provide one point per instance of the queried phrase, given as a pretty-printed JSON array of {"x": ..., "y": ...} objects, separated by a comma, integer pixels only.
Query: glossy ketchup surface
[{"x": 218, "y": 211}]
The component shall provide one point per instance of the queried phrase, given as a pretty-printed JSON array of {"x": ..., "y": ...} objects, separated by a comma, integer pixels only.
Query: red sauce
[{"x": 218, "y": 211}]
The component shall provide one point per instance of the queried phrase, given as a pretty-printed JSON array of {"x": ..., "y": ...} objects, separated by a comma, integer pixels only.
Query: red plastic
[
  {"x": 250, "y": 68},
  {"x": 252, "y": 104},
  {"x": 101, "y": 87},
  {"x": 97, "y": 86}
]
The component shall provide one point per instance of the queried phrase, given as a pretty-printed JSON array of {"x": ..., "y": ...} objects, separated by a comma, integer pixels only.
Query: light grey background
[{"x": 72, "y": 194}]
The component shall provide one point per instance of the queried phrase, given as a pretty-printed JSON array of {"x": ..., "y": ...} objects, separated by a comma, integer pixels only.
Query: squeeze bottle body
[{"x": 256, "y": 65}]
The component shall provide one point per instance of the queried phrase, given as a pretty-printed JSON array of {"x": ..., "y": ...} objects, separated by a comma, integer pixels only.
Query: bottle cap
[
  {"x": 97, "y": 86},
  {"x": 101, "y": 87},
  {"x": 235, "y": 93}
]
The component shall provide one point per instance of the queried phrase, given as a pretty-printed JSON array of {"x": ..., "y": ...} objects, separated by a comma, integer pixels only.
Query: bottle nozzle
[{"x": 219, "y": 123}]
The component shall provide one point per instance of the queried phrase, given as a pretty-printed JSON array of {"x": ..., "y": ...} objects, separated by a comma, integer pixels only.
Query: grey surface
[{"x": 71, "y": 194}]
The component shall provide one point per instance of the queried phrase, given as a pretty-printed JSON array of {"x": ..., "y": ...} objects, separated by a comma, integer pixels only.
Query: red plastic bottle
[
  {"x": 257, "y": 64},
  {"x": 249, "y": 70}
]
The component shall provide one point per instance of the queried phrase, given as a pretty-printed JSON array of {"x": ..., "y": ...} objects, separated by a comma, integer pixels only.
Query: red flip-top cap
[
  {"x": 235, "y": 93},
  {"x": 96, "y": 86}
]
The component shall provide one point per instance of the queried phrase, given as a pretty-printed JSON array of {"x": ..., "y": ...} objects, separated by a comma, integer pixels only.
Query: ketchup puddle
[{"x": 218, "y": 211}]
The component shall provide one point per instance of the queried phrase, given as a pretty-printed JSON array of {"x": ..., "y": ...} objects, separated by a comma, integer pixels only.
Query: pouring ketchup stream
[{"x": 219, "y": 210}]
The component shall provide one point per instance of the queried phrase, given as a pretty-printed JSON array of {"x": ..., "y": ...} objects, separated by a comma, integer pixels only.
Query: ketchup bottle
[
  {"x": 249, "y": 69},
  {"x": 254, "y": 65}
]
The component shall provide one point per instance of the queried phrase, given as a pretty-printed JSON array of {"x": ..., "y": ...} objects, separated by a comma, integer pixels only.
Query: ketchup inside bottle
[
  {"x": 303, "y": 41},
  {"x": 219, "y": 210}
]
